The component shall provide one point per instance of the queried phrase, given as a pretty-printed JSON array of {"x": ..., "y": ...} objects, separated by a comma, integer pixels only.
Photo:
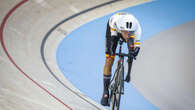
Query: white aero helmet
[{"x": 126, "y": 22}]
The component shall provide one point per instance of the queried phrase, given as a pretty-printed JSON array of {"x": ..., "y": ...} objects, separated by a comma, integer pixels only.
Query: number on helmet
[{"x": 129, "y": 25}]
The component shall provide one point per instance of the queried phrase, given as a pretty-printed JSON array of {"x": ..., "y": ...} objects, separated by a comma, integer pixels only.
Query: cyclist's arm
[
  {"x": 137, "y": 34},
  {"x": 136, "y": 41}
]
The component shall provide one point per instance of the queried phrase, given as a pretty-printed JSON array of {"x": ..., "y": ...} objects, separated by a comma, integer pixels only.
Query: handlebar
[
  {"x": 131, "y": 52},
  {"x": 122, "y": 54},
  {"x": 126, "y": 55}
]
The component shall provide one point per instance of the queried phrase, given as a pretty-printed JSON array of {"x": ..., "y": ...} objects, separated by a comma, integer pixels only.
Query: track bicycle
[{"x": 117, "y": 82}]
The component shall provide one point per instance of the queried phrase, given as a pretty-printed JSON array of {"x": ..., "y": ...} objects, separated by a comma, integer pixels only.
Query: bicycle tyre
[
  {"x": 116, "y": 93},
  {"x": 112, "y": 100},
  {"x": 119, "y": 89},
  {"x": 118, "y": 97},
  {"x": 114, "y": 88}
]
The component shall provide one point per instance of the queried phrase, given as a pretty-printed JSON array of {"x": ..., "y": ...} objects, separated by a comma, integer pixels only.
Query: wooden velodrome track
[{"x": 29, "y": 75}]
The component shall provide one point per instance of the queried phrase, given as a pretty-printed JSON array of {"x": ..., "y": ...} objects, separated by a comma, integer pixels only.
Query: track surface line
[{"x": 11, "y": 59}]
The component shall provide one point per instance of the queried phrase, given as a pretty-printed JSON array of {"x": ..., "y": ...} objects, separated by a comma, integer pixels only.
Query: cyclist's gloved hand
[{"x": 136, "y": 51}]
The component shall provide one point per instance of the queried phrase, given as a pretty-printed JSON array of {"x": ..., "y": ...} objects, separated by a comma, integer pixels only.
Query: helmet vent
[{"x": 129, "y": 25}]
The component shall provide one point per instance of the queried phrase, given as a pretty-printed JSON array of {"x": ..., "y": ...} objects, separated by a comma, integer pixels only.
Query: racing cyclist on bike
[{"x": 120, "y": 25}]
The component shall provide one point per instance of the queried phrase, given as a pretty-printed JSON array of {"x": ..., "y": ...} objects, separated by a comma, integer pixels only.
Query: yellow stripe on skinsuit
[
  {"x": 132, "y": 37},
  {"x": 112, "y": 29},
  {"x": 137, "y": 43},
  {"x": 112, "y": 56}
]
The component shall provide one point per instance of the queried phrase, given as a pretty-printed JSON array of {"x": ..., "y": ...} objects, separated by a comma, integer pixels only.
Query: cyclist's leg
[
  {"x": 111, "y": 44},
  {"x": 130, "y": 45}
]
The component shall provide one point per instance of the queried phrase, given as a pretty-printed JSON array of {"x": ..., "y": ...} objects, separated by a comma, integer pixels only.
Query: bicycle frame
[
  {"x": 117, "y": 82},
  {"x": 117, "y": 74}
]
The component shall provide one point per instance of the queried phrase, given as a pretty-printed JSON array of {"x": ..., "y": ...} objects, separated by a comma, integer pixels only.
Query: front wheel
[
  {"x": 112, "y": 100},
  {"x": 115, "y": 97},
  {"x": 118, "y": 98}
]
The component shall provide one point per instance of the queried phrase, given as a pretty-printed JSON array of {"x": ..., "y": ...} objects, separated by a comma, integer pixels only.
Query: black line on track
[{"x": 52, "y": 29}]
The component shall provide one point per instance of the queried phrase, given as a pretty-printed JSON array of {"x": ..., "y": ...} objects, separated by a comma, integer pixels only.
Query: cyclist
[{"x": 120, "y": 25}]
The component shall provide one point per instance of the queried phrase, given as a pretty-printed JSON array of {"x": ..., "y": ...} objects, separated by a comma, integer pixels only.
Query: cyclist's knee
[{"x": 109, "y": 60}]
